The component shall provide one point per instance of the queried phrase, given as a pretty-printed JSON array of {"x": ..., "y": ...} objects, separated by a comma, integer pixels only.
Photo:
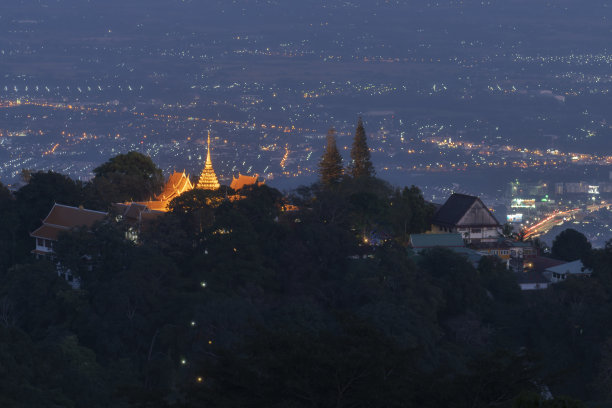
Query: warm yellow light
[{"x": 199, "y": 379}]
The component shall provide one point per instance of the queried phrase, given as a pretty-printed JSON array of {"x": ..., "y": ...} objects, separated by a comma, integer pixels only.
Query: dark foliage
[
  {"x": 130, "y": 176},
  {"x": 570, "y": 245},
  {"x": 228, "y": 300},
  {"x": 361, "y": 165},
  {"x": 330, "y": 167}
]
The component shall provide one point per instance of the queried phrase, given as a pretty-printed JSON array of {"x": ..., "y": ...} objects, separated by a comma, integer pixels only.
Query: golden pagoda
[{"x": 208, "y": 178}]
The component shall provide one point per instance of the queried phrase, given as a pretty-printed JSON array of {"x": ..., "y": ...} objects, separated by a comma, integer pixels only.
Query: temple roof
[
  {"x": 176, "y": 185},
  {"x": 64, "y": 217},
  {"x": 242, "y": 181},
  {"x": 48, "y": 232},
  {"x": 67, "y": 216}
]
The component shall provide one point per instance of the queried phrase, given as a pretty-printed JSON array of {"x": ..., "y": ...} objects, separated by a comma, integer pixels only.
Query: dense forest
[{"x": 241, "y": 303}]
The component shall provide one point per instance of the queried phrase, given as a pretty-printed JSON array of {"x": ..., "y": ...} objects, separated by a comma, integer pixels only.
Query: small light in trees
[
  {"x": 193, "y": 324},
  {"x": 183, "y": 361},
  {"x": 199, "y": 379},
  {"x": 209, "y": 341},
  {"x": 203, "y": 284}
]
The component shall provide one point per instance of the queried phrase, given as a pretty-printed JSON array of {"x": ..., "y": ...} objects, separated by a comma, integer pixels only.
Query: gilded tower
[{"x": 208, "y": 178}]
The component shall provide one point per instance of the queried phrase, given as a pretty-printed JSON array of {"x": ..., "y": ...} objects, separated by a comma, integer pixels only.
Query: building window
[
  {"x": 476, "y": 230},
  {"x": 40, "y": 242}
]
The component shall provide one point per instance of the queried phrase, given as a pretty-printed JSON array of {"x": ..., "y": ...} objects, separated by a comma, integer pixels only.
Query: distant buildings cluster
[{"x": 465, "y": 225}]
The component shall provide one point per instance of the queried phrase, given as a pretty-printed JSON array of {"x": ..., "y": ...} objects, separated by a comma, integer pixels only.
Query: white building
[
  {"x": 468, "y": 216},
  {"x": 560, "y": 272}
]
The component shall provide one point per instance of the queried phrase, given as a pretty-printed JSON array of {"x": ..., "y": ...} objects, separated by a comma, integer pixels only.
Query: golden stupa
[{"x": 208, "y": 179}]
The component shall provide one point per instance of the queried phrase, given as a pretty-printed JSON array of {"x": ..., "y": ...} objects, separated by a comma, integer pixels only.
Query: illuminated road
[
  {"x": 545, "y": 225},
  {"x": 155, "y": 116},
  {"x": 558, "y": 218}
]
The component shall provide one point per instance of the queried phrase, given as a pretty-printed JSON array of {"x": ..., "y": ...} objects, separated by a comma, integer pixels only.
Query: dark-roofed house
[
  {"x": 542, "y": 263},
  {"x": 137, "y": 216},
  {"x": 532, "y": 280},
  {"x": 468, "y": 216}
]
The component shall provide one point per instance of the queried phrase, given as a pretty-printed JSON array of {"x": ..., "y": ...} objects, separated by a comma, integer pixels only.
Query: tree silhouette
[
  {"x": 130, "y": 176},
  {"x": 570, "y": 245},
  {"x": 330, "y": 167},
  {"x": 361, "y": 165}
]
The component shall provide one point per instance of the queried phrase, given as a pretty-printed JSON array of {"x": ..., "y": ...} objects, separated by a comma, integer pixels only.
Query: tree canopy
[
  {"x": 330, "y": 167},
  {"x": 570, "y": 245},
  {"x": 311, "y": 299},
  {"x": 130, "y": 176},
  {"x": 361, "y": 165}
]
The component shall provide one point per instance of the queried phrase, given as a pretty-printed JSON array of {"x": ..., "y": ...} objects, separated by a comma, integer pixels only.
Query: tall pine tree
[
  {"x": 330, "y": 167},
  {"x": 361, "y": 165}
]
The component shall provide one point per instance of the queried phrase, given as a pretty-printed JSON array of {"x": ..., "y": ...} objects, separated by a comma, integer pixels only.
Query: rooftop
[
  {"x": 434, "y": 240},
  {"x": 64, "y": 217},
  {"x": 461, "y": 209},
  {"x": 572, "y": 268},
  {"x": 69, "y": 217}
]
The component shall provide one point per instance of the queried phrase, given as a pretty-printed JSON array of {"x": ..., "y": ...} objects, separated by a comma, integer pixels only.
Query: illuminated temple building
[
  {"x": 243, "y": 181},
  {"x": 179, "y": 183},
  {"x": 208, "y": 178}
]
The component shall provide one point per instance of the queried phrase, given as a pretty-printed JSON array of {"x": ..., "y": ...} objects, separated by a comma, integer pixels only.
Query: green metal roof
[{"x": 436, "y": 240}]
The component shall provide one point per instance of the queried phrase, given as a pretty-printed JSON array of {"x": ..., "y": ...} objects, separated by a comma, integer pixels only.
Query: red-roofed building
[{"x": 62, "y": 218}]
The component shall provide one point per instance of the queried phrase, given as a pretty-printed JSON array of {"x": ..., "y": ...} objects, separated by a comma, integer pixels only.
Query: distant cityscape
[{"x": 445, "y": 108}]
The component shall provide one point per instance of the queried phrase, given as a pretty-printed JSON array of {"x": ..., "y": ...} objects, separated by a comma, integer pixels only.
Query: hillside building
[
  {"x": 60, "y": 219},
  {"x": 468, "y": 216}
]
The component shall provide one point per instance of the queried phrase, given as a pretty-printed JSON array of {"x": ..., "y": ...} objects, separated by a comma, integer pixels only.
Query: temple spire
[
  {"x": 208, "y": 178},
  {"x": 208, "y": 150}
]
